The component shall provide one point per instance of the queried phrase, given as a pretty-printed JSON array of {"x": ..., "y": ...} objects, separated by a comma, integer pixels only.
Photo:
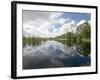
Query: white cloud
[
  {"x": 81, "y": 22},
  {"x": 61, "y": 21},
  {"x": 40, "y": 26},
  {"x": 43, "y": 31},
  {"x": 68, "y": 27},
  {"x": 47, "y": 24},
  {"x": 55, "y": 16}
]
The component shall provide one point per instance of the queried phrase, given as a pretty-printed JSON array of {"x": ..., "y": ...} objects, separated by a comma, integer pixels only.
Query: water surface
[{"x": 52, "y": 54}]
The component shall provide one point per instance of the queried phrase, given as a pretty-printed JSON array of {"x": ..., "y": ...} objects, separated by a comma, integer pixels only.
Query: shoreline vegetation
[
  {"x": 80, "y": 37},
  {"x": 82, "y": 34}
]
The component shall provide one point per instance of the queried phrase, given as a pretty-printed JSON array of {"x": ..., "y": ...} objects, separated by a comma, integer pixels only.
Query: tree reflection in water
[{"x": 59, "y": 53}]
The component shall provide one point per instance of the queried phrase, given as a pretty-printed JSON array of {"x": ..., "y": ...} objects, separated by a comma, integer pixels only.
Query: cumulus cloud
[
  {"x": 47, "y": 24},
  {"x": 44, "y": 31},
  {"x": 55, "y": 16},
  {"x": 81, "y": 22}
]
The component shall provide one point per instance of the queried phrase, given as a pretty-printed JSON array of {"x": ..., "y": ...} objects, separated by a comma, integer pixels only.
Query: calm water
[{"x": 52, "y": 54}]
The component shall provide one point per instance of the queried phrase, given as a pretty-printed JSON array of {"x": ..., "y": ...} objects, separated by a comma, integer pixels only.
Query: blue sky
[
  {"x": 77, "y": 16},
  {"x": 44, "y": 24}
]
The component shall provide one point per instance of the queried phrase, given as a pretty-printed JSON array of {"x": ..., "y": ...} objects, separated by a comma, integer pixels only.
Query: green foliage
[
  {"x": 81, "y": 38},
  {"x": 70, "y": 43},
  {"x": 27, "y": 40},
  {"x": 84, "y": 48},
  {"x": 70, "y": 36},
  {"x": 32, "y": 40},
  {"x": 84, "y": 31}
]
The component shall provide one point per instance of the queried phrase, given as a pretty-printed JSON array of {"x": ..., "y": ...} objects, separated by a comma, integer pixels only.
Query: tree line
[{"x": 83, "y": 33}]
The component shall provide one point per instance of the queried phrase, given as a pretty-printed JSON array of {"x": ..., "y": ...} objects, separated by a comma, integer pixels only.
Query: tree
[
  {"x": 86, "y": 30},
  {"x": 83, "y": 32},
  {"x": 70, "y": 36}
]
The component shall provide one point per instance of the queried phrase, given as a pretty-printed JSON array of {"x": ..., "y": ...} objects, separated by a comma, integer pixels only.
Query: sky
[{"x": 47, "y": 24}]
